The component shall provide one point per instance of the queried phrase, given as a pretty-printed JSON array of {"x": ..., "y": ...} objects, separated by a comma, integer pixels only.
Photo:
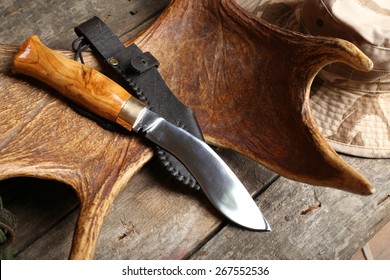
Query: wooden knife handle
[{"x": 77, "y": 82}]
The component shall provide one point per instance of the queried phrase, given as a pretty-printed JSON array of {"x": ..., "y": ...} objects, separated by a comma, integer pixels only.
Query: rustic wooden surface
[
  {"x": 312, "y": 222},
  {"x": 153, "y": 218},
  {"x": 39, "y": 141}
]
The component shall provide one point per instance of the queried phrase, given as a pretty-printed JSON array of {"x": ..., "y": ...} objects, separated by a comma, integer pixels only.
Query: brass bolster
[{"x": 130, "y": 112}]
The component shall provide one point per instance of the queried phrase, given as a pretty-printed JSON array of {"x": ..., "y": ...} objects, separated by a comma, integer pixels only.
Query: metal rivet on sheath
[{"x": 113, "y": 61}]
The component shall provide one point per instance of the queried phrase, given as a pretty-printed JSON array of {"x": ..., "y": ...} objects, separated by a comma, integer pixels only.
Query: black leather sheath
[{"x": 137, "y": 72}]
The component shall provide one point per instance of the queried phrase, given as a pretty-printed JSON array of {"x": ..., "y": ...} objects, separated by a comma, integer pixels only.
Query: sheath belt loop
[
  {"x": 144, "y": 62},
  {"x": 137, "y": 72}
]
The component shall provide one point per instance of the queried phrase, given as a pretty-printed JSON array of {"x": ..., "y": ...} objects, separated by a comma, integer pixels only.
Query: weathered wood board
[
  {"x": 155, "y": 219},
  {"x": 54, "y": 21},
  {"x": 38, "y": 205},
  {"x": 320, "y": 223},
  {"x": 39, "y": 160}
]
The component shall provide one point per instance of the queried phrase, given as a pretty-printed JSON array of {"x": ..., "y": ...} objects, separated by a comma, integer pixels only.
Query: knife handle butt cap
[{"x": 81, "y": 84}]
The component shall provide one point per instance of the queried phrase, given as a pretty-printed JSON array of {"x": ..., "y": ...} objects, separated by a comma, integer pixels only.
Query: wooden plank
[
  {"x": 53, "y": 21},
  {"x": 380, "y": 244},
  {"x": 153, "y": 218},
  {"x": 50, "y": 24},
  {"x": 358, "y": 255},
  {"x": 38, "y": 206},
  {"x": 190, "y": 246},
  {"x": 55, "y": 244},
  {"x": 310, "y": 222}
]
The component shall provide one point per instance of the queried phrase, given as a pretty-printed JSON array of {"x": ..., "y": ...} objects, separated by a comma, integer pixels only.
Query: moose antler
[{"x": 247, "y": 81}]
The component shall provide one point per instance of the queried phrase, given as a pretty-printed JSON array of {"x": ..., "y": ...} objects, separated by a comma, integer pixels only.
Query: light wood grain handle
[{"x": 77, "y": 82}]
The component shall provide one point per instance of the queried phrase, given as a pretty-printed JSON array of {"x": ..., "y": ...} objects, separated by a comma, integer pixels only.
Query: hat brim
[{"x": 354, "y": 122}]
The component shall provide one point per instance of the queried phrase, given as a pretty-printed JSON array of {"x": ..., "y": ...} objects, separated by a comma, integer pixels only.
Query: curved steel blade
[{"x": 216, "y": 179}]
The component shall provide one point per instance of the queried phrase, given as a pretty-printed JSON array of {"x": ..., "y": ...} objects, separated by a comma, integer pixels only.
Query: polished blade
[{"x": 216, "y": 179}]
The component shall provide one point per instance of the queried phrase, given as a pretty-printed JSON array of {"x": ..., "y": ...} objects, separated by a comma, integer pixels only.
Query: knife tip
[
  {"x": 265, "y": 226},
  {"x": 259, "y": 225},
  {"x": 268, "y": 227}
]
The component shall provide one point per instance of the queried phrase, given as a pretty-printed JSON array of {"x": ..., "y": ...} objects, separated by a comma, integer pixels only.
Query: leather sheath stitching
[
  {"x": 160, "y": 152},
  {"x": 101, "y": 39}
]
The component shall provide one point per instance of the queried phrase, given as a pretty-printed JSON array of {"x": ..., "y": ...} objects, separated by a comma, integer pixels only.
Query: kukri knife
[{"x": 100, "y": 95}]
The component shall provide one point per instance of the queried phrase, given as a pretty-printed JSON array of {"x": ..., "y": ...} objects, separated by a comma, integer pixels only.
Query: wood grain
[
  {"x": 43, "y": 139},
  {"x": 154, "y": 218},
  {"x": 54, "y": 22},
  {"x": 19, "y": 15},
  {"x": 79, "y": 83},
  {"x": 380, "y": 244},
  {"x": 321, "y": 223},
  {"x": 125, "y": 233}
]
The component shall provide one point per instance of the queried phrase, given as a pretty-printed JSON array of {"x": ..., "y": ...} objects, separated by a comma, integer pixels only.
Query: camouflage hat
[{"x": 351, "y": 108}]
